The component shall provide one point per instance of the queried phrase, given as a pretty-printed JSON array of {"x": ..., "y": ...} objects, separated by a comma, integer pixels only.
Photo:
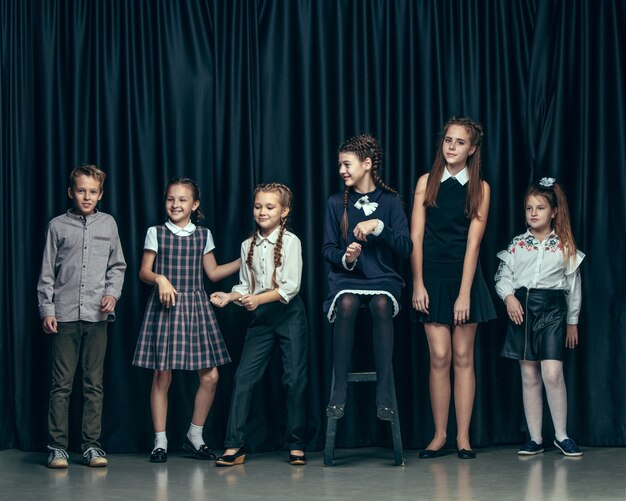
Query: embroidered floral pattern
[{"x": 529, "y": 243}]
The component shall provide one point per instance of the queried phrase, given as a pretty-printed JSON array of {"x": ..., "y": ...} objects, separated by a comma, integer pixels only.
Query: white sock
[
  {"x": 194, "y": 434},
  {"x": 553, "y": 380},
  {"x": 160, "y": 441},
  {"x": 532, "y": 393}
]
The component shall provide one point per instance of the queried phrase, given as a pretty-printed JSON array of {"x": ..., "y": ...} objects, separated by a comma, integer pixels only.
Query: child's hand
[
  {"x": 352, "y": 252},
  {"x": 167, "y": 293},
  {"x": 49, "y": 325},
  {"x": 461, "y": 310},
  {"x": 514, "y": 309},
  {"x": 250, "y": 302},
  {"x": 107, "y": 305},
  {"x": 571, "y": 338},
  {"x": 220, "y": 299},
  {"x": 420, "y": 298},
  {"x": 364, "y": 228}
]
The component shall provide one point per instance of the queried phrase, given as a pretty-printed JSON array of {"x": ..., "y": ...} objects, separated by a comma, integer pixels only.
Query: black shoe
[
  {"x": 203, "y": 452},
  {"x": 158, "y": 456},
  {"x": 335, "y": 411},
  {"x": 232, "y": 459},
  {"x": 466, "y": 454},
  {"x": 431, "y": 453},
  {"x": 297, "y": 460},
  {"x": 385, "y": 413}
]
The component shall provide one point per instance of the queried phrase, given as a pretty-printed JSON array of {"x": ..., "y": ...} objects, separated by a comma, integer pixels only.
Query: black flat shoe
[
  {"x": 297, "y": 460},
  {"x": 335, "y": 411},
  {"x": 466, "y": 454},
  {"x": 385, "y": 413},
  {"x": 158, "y": 456},
  {"x": 232, "y": 459},
  {"x": 203, "y": 452},
  {"x": 431, "y": 454}
]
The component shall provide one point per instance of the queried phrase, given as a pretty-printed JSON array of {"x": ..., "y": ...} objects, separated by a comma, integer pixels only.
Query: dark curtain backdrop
[{"x": 237, "y": 93}]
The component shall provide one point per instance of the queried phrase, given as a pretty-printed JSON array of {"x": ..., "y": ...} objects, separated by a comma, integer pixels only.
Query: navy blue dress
[{"x": 374, "y": 271}]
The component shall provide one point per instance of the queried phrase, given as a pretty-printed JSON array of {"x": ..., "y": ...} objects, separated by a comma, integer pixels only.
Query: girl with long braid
[
  {"x": 365, "y": 226},
  {"x": 269, "y": 286}
]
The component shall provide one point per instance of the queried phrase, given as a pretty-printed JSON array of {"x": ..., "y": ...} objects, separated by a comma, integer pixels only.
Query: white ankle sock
[
  {"x": 160, "y": 441},
  {"x": 195, "y": 435}
]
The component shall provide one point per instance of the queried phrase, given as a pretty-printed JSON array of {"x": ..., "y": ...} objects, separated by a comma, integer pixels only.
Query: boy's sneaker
[
  {"x": 568, "y": 447},
  {"x": 95, "y": 457},
  {"x": 57, "y": 458},
  {"x": 530, "y": 448}
]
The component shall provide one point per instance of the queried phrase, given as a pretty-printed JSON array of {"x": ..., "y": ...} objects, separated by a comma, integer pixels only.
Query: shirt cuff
[
  {"x": 572, "y": 320},
  {"x": 379, "y": 229},
  {"x": 345, "y": 265}
]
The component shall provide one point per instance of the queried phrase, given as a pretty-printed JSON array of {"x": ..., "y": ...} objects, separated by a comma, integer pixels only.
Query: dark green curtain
[{"x": 242, "y": 92}]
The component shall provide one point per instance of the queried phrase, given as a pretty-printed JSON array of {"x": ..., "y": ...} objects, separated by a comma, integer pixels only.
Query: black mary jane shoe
[
  {"x": 203, "y": 452},
  {"x": 431, "y": 453},
  {"x": 297, "y": 460},
  {"x": 385, "y": 413},
  {"x": 232, "y": 459},
  {"x": 466, "y": 454},
  {"x": 158, "y": 456},
  {"x": 335, "y": 411}
]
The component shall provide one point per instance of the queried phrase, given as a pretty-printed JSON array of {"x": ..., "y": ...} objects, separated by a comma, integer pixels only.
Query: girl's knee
[
  {"x": 209, "y": 378},
  {"x": 381, "y": 307},
  {"x": 440, "y": 360},
  {"x": 162, "y": 379},
  {"x": 347, "y": 305}
]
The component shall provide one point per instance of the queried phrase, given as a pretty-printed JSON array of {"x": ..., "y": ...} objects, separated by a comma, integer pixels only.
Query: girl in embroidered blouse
[
  {"x": 365, "y": 226},
  {"x": 539, "y": 281},
  {"x": 269, "y": 286},
  {"x": 449, "y": 218},
  {"x": 179, "y": 329}
]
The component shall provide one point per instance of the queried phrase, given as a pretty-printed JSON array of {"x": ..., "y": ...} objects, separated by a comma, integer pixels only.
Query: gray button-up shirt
[{"x": 82, "y": 262}]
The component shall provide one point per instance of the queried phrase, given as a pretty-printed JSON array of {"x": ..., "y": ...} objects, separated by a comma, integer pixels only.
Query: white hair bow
[
  {"x": 365, "y": 204},
  {"x": 547, "y": 182}
]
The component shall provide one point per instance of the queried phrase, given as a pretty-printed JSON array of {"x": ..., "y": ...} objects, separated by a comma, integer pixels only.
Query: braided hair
[
  {"x": 285, "y": 197},
  {"x": 474, "y": 166},
  {"x": 363, "y": 146}
]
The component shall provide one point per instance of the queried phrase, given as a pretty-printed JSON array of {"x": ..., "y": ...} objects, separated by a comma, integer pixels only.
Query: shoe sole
[
  {"x": 57, "y": 466},
  {"x": 568, "y": 454},
  {"x": 238, "y": 460},
  {"x": 529, "y": 453},
  {"x": 97, "y": 464}
]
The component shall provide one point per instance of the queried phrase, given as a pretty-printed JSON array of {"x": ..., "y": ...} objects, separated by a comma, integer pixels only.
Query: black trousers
[{"x": 286, "y": 325}]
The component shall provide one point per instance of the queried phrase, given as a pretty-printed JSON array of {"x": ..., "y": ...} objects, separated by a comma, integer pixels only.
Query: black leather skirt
[{"x": 542, "y": 334}]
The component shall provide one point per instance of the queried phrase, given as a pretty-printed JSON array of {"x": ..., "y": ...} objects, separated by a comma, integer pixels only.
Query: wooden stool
[{"x": 331, "y": 424}]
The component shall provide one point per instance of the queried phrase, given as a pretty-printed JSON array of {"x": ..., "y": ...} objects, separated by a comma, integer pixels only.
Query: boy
[{"x": 82, "y": 274}]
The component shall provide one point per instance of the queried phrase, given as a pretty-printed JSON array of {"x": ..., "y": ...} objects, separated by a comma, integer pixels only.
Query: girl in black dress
[{"x": 448, "y": 222}]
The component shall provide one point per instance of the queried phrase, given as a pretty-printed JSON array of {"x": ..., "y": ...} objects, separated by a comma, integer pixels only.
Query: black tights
[{"x": 381, "y": 310}]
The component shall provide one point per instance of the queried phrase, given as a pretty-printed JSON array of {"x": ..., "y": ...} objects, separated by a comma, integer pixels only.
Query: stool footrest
[{"x": 361, "y": 377}]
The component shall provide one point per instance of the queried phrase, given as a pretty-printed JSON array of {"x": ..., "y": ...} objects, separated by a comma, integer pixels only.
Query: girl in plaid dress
[
  {"x": 269, "y": 285},
  {"x": 179, "y": 329}
]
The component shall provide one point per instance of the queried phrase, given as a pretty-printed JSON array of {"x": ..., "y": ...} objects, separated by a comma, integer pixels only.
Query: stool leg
[
  {"x": 395, "y": 426},
  {"x": 331, "y": 431}
]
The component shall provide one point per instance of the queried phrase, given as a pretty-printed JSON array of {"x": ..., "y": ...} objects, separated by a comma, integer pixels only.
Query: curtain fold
[{"x": 237, "y": 93}]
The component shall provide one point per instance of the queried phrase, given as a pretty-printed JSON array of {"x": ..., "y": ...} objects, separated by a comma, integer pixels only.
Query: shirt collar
[
  {"x": 462, "y": 177},
  {"x": 176, "y": 230},
  {"x": 271, "y": 238},
  {"x": 74, "y": 215},
  {"x": 550, "y": 236}
]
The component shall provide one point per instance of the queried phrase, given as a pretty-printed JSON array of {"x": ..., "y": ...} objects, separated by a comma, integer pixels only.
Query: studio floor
[{"x": 363, "y": 474}]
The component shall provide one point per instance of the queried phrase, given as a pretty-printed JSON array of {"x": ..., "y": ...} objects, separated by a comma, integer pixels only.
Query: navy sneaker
[
  {"x": 568, "y": 447},
  {"x": 530, "y": 448}
]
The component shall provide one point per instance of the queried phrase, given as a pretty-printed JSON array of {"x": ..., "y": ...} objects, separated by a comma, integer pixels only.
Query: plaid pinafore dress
[{"x": 184, "y": 336}]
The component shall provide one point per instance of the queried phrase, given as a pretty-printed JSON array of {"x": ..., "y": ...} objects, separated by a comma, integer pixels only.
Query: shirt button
[{"x": 85, "y": 247}]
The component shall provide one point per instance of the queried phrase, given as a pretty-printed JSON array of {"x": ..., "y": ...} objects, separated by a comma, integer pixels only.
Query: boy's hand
[
  {"x": 250, "y": 302},
  {"x": 107, "y": 305},
  {"x": 49, "y": 325}
]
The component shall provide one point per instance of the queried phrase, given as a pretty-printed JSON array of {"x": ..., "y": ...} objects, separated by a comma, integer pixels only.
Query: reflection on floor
[{"x": 498, "y": 473}]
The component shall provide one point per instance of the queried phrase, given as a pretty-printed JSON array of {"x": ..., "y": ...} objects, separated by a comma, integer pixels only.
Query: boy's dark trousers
[
  {"x": 84, "y": 343},
  {"x": 285, "y": 324}
]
